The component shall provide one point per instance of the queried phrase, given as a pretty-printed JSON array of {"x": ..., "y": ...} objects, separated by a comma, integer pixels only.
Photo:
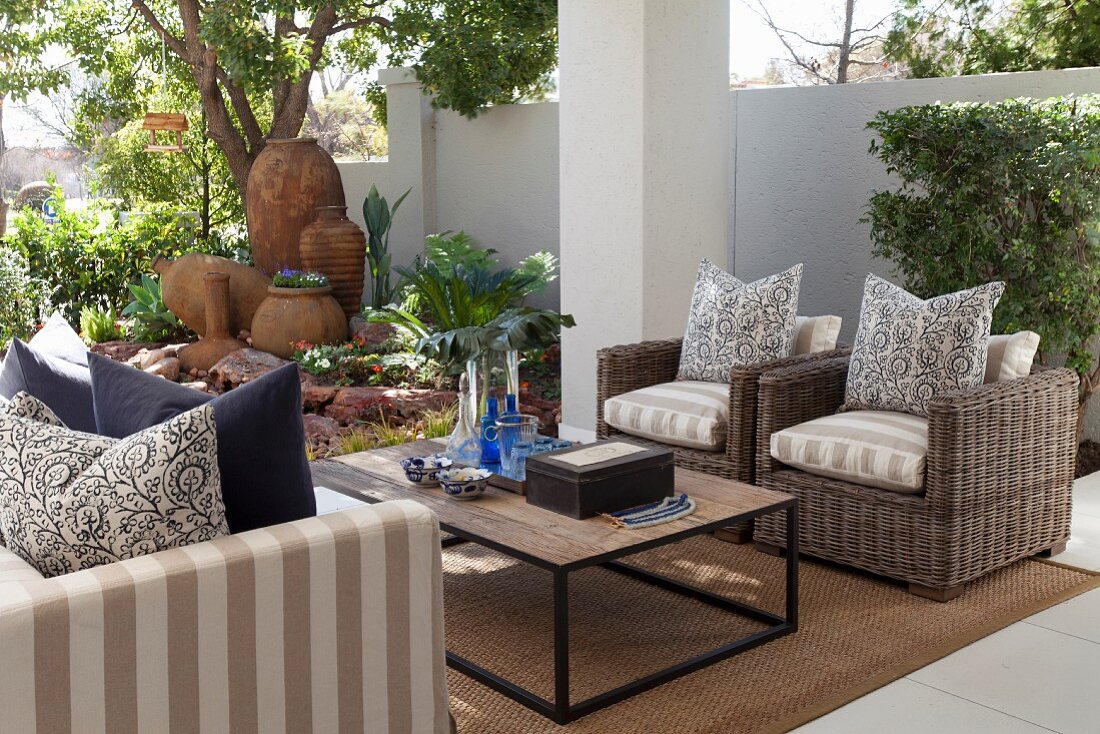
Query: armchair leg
[
  {"x": 769, "y": 549},
  {"x": 1053, "y": 550},
  {"x": 940, "y": 595},
  {"x": 738, "y": 534}
]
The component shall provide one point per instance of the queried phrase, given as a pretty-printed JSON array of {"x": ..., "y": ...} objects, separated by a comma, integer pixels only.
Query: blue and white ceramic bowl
[
  {"x": 464, "y": 483},
  {"x": 425, "y": 469}
]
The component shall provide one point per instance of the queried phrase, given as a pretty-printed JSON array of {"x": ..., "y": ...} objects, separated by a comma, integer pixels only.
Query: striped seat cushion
[
  {"x": 871, "y": 447},
  {"x": 14, "y": 568},
  {"x": 684, "y": 413}
]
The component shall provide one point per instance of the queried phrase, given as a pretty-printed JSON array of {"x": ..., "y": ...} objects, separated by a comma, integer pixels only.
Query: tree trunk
[{"x": 845, "y": 43}]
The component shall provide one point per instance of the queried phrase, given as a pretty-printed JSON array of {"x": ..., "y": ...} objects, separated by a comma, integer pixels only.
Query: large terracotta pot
[
  {"x": 334, "y": 245},
  {"x": 182, "y": 285},
  {"x": 291, "y": 315},
  {"x": 288, "y": 181}
]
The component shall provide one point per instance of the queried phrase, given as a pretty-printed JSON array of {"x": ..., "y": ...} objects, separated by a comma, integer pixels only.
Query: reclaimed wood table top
[{"x": 504, "y": 520}]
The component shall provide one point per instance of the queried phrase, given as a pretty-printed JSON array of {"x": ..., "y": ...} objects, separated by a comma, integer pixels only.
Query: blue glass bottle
[
  {"x": 490, "y": 452},
  {"x": 510, "y": 405}
]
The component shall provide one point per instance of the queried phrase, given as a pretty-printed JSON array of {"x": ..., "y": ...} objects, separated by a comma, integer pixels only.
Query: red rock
[
  {"x": 370, "y": 332},
  {"x": 365, "y": 404},
  {"x": 319, "y": 429},
  {"x": 122, "y": 351},
  {"x": 316, "y": 397},
  {"x": 243, "y": 365}
]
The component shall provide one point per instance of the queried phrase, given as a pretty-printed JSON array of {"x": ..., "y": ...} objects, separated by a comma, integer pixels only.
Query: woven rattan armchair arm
[
  {"x": 1003, "y": 440},
  {"x": 795, "y": 394},
  {"x": 744, "y": 398},
  {"x": 627, "y": 367}
]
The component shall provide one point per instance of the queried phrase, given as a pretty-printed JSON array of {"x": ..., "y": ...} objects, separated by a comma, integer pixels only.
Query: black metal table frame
[{"x": 561, "y": 710}]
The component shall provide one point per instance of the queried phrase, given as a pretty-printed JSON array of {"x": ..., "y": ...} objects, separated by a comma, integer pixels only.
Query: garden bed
[{"x": 341, "y": 416}]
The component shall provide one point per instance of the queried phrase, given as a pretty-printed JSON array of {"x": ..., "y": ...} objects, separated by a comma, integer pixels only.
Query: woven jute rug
[{"x": 856, "y": 633}]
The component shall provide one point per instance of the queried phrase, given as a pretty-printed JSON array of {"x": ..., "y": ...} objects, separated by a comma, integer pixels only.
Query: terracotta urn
[
  {"x": 183, "y": 288},
  {"x": 291, "y": 315},
  {"x": 217, "y": 341},
  {"x": 288, "y": 181},
  {"x": 336, "y": 246}
]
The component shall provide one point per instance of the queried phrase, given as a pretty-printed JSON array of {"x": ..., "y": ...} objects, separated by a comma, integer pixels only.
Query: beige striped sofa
[{"x": 329, "y": 624}]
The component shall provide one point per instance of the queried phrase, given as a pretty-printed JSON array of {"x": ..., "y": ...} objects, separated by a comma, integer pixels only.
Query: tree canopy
[
  {"x": 958, "y": 37},
  {"x": 250, "y": 63}
]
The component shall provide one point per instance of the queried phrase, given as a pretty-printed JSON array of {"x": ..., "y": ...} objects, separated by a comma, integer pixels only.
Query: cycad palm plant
[{"x": 468, "y": 310}]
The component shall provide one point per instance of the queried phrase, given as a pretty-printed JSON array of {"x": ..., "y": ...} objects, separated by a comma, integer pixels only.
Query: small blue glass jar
[
  {"x": 561, "y": 443},
  {"x": 542, "y": 445},
  {"x": 520, "y": 452}
]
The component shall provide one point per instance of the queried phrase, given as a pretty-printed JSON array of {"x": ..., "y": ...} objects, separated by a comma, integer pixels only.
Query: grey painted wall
[{"x": 803, "y": 176}]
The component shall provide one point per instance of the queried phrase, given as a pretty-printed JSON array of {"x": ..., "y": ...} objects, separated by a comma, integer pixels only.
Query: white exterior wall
[
  {"x": 496, "y": 177},
  {"x": 799, "y": 175}
]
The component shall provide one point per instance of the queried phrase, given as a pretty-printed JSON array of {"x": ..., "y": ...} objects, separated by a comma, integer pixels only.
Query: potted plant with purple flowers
[{"x": 299, "y": 308}]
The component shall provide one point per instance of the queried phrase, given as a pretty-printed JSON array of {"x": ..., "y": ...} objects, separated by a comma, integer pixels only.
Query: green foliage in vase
[
  {"x": 378, "y": 215},
  {"x": 25, "y": 301},
  {"x": 1007, "y": 191},
  {"x": 152, "y": 319},
  {"x": 98, "y": 325}
]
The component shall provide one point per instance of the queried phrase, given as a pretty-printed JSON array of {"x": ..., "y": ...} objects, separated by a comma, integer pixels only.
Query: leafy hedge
[
  {"x": 86, "y": 258},
  {"x": 1000, "y": 191}
]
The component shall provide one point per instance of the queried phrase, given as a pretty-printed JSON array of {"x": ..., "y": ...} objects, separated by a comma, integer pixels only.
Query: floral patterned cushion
[
  {"x": 71, "y": 500},
  {"x": 907, "y": 351},
  {"x": 24, "y": 405},
  {"x": 733, "y": 323}
]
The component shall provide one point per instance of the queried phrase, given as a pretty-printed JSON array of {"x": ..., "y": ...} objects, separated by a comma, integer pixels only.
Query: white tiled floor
[{"x": 1039, "y": 675}]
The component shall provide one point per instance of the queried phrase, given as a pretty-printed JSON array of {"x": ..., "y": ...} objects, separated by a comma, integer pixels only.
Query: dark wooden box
[{"x": 608, "y": 486}]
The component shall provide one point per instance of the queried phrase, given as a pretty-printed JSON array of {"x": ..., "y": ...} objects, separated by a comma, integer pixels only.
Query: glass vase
[
  {"x": 464, "y": 443},
  {"x": 492, "y": 373}
]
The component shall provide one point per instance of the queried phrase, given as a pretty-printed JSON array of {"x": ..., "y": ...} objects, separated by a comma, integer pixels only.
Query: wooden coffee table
[{"x": 506, "y": 523}]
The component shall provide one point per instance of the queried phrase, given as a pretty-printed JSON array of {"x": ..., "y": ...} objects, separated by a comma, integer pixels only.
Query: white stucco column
[
  {"x": 644, "y": 138},
  {"x": 411, "y": 121}
]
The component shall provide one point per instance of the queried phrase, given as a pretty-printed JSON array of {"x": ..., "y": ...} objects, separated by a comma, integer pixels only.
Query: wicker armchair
[
  {"x": 629, "y": 367},
  {"x": 999, "y": 475}
]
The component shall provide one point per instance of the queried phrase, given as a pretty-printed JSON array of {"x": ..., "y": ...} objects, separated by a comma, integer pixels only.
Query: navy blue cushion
[
  {"x": 66, "y": 388},
  {"x": 261, "y": 440}
]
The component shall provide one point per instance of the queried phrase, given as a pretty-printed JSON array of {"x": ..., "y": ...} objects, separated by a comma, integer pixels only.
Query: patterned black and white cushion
[
  {"x": 734, "y": 323},
  {"x": 908, "y": 350},
  {"x": 71, "y": 500},
  {"x": 24, "y": 405}
]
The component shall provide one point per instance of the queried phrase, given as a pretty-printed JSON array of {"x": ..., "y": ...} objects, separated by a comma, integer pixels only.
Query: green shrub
[
  {"x": 1007, "y": 191},
  {"x": 87, "y": 259},
  {"x": 24, "y": 301},
  {"x": 152, "y": 319},
  {"x": 98, "y": 326}
]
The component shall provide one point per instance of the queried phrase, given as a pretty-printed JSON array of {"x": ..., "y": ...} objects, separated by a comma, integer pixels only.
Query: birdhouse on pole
[{"x": 165, "y": 121}]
